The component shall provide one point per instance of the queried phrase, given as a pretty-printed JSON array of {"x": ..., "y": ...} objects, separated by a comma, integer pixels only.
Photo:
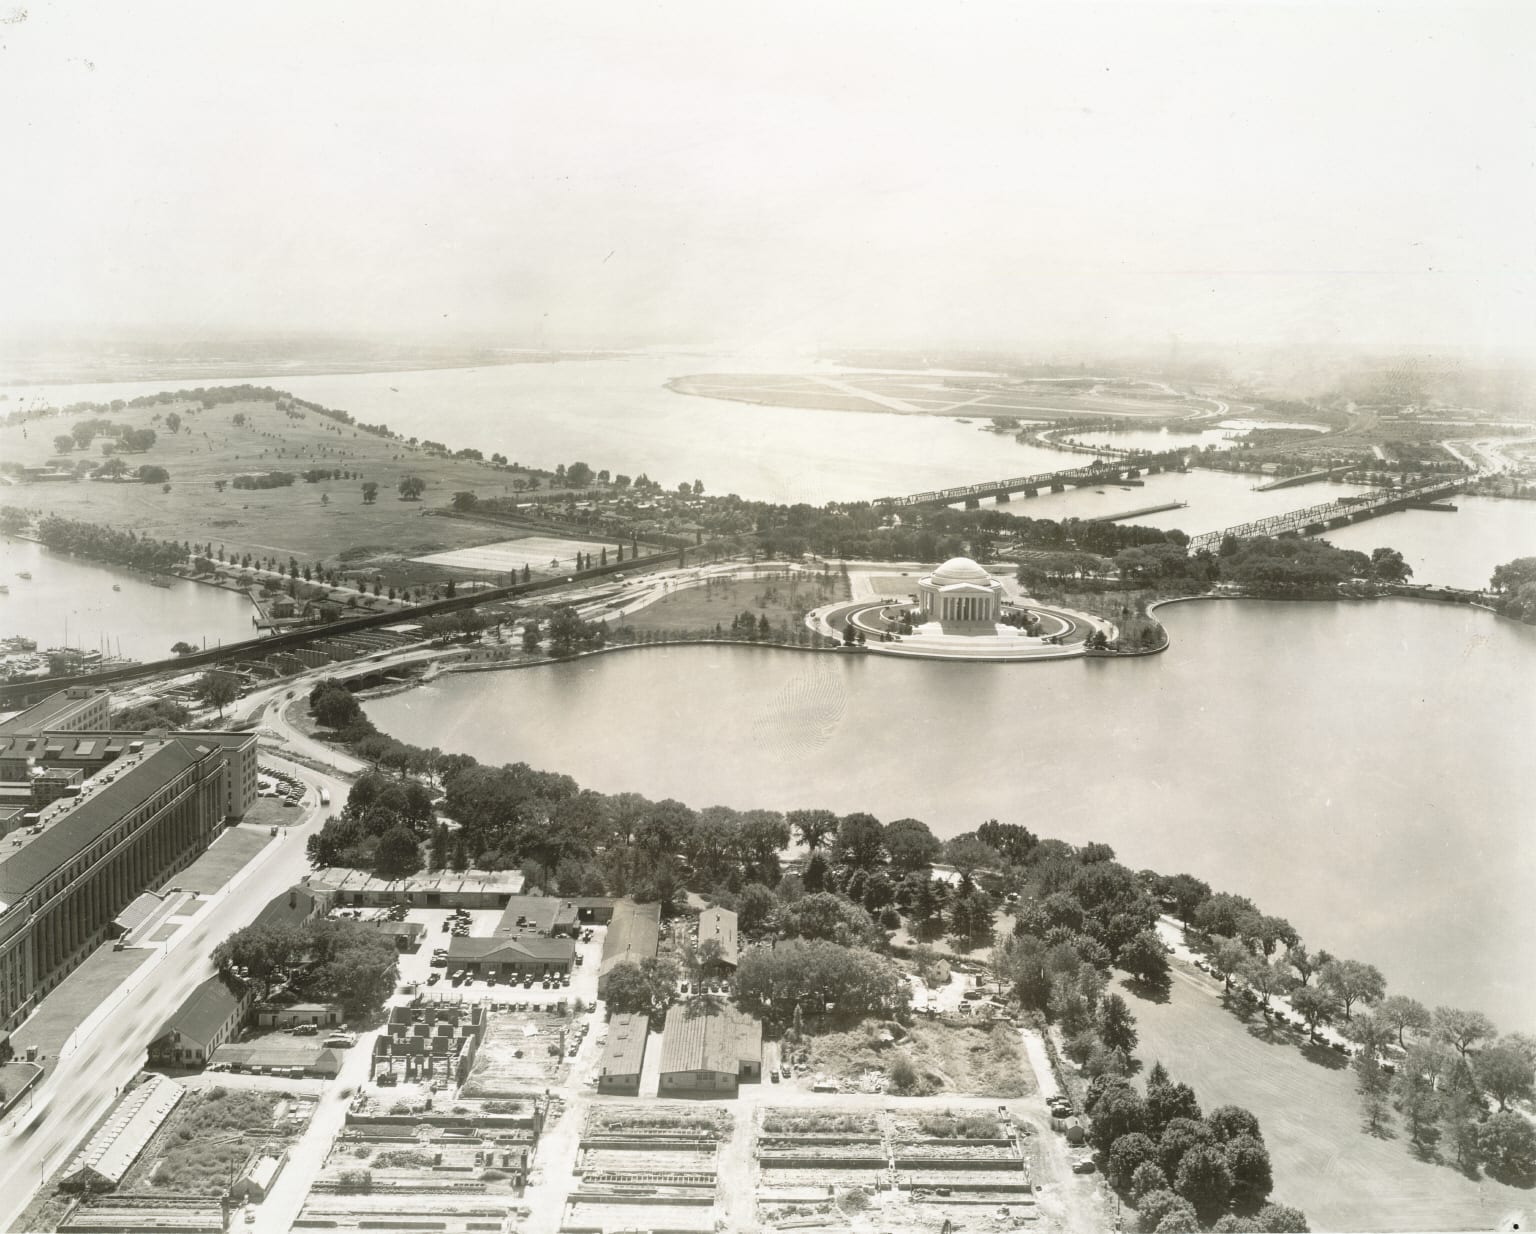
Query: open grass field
[
  {"x": 1324, "y": 1163},
  {"x": 313, "y": 522},
  {"x": 783, "y": 600},
  {"x": 79, "y": 994},
  {"x": 230, "y": 853}
]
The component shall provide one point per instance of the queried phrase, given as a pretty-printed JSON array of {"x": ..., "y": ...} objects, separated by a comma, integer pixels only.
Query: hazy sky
[{"x": 564, "y": 173}]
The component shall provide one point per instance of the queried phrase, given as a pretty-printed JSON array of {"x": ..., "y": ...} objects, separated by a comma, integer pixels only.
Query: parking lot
[{"x": 435, "y": 983}]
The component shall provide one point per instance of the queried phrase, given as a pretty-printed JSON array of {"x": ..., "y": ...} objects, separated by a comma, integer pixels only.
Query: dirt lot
[
  {"x": 1324, "y": 1163},
  {"x": 946, "y": 1057},
  {"x": 523, "y": 1051}
]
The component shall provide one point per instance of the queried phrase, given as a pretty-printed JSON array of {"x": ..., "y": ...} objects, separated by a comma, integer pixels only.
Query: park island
[
  {"x": 882, "y": 619},
  {"x": 713, "y": 910}
]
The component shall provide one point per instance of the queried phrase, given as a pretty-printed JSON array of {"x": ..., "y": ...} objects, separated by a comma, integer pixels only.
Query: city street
[{"x": 38, "y": 1139}]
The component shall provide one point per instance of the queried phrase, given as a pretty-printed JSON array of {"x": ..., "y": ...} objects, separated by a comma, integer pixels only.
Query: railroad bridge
[
  {"x": 1313, "y": 520},
  {"x": 1104, "y": 471}
]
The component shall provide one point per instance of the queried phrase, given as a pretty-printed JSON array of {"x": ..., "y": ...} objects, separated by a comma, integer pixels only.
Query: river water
[
  {"x": 1362, "y": 770},
  {"x": 70, "y": 599},
  {"x": 618, "y": 414},
  {"x": 1358, "y": 769}
]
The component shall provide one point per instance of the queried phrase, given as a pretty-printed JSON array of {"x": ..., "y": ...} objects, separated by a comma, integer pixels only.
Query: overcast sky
[{"x": 883, "y": 173}]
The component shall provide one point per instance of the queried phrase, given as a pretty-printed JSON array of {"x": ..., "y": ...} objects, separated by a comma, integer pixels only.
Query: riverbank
[{"x": 1317, "y": 690}]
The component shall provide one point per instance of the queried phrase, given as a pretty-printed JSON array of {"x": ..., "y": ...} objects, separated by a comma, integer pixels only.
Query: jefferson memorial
[{"x": 960, "y": 591}]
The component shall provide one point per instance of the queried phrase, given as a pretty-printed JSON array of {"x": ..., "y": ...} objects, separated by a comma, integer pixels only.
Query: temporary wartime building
[
  {"x": 618, "y": 1071},
  {"x": 707, "y": 1048},
  {"x": 211, "y": 1016}
]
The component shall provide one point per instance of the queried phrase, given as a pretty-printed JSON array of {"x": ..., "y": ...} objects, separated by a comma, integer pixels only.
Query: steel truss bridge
[
  {"x": 1106, "y": 471},
  {"x": 1313, "y": 520}
]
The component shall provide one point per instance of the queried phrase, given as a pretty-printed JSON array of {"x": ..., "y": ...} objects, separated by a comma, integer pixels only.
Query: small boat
[
  {"x": 23, "y": 574},
  {"x": 4, "y": 590},
  {"x": 157, "y": 581},
  {"x": 116, "y": 587}
]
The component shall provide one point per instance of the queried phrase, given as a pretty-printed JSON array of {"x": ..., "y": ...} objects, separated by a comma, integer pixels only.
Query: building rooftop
[
  {"x": 128, "y": 1129},
  {"x": 342, "y": 878},
  {"x": 701, "y": 1035},
  {"x": 541, "y": 950},
  {"x": 624, "y": 1053},
  {"x": 41, "y": 715},
  {"x": 298, "y": 904},
  {"x": 632, "y": 934},
  {"x": 719, "y": 925},
  {"x": 46, "y": 747},
  {"x": 207, "y": 1009},
  {"x": 279, "y": 1050},
  {"x": 73, "y": 823},
  {"x": 538, "y": 912},
  {"x": 960, "y": 570}
]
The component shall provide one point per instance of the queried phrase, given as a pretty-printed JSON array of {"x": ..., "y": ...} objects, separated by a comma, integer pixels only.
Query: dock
[
  {"x": 1308, "y": 478},
  {"x": 1137, "y": 512}
]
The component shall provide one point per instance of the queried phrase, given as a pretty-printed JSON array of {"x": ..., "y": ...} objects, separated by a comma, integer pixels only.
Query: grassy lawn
[
  {"x": 1324, "y": 1163},
  {"x": 79, "y": 994},
  {"x": 277, "y": 522},
  {"x": 784, "y": 600},
  {"x": 227, "y": 855}
]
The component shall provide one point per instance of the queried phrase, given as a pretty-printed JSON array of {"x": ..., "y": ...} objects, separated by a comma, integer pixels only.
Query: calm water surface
[
  {"x": 619, "y": 414},
  {"x": 1360, "y": 769},
  {"x": 74, "y": 599}
]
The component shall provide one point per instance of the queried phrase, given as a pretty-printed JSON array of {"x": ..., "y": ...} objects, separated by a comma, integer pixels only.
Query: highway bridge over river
[
  {"x": 1313, "y": 520},
  {"x": 1105, "y": 471}
]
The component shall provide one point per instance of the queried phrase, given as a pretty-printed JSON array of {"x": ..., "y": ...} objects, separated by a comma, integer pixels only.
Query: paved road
[{"x": 84, "y": 1084}]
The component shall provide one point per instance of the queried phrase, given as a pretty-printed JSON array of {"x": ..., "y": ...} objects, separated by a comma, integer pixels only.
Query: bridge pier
[
  {"x": 1058, "y": 487},
  {"x": 973, "y": 503},
  {"x": 1031, "y": 492},
  {"x": 1003, "y": 497}
]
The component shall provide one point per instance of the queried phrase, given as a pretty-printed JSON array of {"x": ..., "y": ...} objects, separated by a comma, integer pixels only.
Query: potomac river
[{"x": 1359, "y": 768}]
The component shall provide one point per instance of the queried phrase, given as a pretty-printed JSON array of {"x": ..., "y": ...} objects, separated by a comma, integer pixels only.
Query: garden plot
[
  {"x": 647, "y": 1168},
  {"x": 677, "y": 1122},
  {"x": 694, "y": 1165},
  {"x": 808, "y": 1155},
  {"x": 504, "y": 556}
]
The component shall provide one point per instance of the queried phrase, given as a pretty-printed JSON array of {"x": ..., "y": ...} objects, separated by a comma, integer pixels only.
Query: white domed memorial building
[{"x": 960, "y": 592}]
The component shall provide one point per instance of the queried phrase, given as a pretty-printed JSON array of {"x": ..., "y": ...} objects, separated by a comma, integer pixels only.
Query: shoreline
[
  {"x": 133, "y": 570},
  {"x": 315, "y": 369}
]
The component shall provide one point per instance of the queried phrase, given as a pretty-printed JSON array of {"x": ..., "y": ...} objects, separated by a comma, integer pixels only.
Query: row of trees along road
[{"x": 1446, "y": 1072}]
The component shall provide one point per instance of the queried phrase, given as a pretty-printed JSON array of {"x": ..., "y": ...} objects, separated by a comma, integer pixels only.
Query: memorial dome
[
  {"x": 960, "y": 591},
  {"x": 960, "y": 570}
]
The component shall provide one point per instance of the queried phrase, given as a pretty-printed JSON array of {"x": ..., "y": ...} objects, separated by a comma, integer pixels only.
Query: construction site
[
  {"x": 936, "y": 1169},
  {"x": 649, "y": 1168}
]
